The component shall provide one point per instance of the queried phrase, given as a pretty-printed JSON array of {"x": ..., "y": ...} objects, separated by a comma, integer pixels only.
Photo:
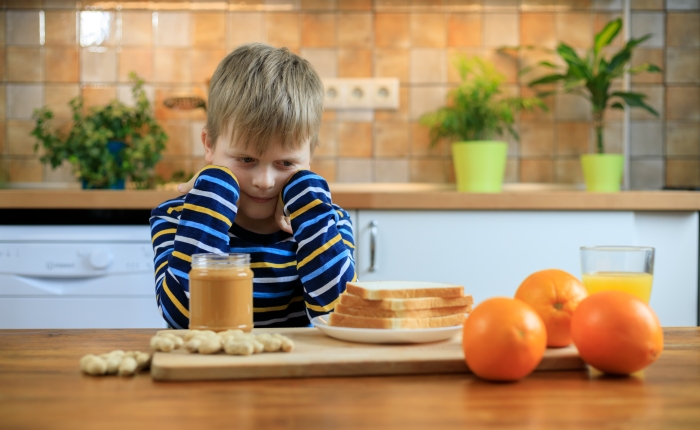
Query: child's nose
[{"x": 264, "y": 179}]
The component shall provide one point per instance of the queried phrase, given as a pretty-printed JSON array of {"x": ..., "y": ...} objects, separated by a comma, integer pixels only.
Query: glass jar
[{"x": 221, "y": 292}]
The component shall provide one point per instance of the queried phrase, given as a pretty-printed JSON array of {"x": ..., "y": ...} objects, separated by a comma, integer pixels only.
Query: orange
[
  {"x": 503, "y": 339},
  {"x": 554, "y": 294},
  {"x": 616, "y": 332}
]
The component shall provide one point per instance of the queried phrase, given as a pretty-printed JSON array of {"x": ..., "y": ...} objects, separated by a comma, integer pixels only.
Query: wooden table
[{"x": 41, "y": 388}]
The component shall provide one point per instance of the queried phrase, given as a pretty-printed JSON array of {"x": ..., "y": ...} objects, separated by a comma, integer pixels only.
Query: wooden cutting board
[{"x": 317, "y": 355}]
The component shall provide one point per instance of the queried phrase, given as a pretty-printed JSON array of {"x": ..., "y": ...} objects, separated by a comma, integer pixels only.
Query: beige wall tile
[
  {"x": 197, "y": 148},
  {"x": 646, "y": 138},
  {"x": 58, "y": 96},
  {"x": 19, "y": 139},
  {"x": 428, "y": 30},
  {"x": 644, "y": 23},
  {"x": 23, "y": 4},
  {"x": 355, "y": 30},
  {"x": 318, "y": 4},
  {"x": 497, "y": 5},
  {"x": 682, "y": 65},
  {"x": 318, "y": 30},
  {"x": 60, "y": 28},
  {"x": 283, "y": 29},
  {"x": 24, "y": 64},
  {"x": 573, "y": 138},
  {"x": 25, "y": 170},
  {"x": 682, "y": 29},
  {"x": 647, "y": 174},
  {"x": 325, "y": 167},
  {"x": 126, "y": 96},
  {"x": 170, "y": 66},
  {"x": 683, "y": 103},
  {"x": 537, "y": 29},
  {"x": 391, "y": 139},
  {"x": 178, "y": 138},
  {"x": 392, "y": 63},
  {"x": 574, "y": 29},
  {"x": 537, "y": 138},
  {"x": 538, "y": 114},
  {"x": 355, "y": 139},
  {"x": 354, "y": 63},
  {"x": 138, "y": 60},
  {"x": 682, "y": 139},
  {"x": 22, "y": 99},
  {"x": 428, "y": 66},
  {"x": 464, "y": 30},
  {"x": 98, "y": 95},
  {"x": 536, "y": 170},
  {"x": 2, "y": 102},
  {"x": 401, "y": 114},
  {"x": 3, "y": 128},
  {"x": 137, "y": 28},
  {"x": 391, "y": 30},
  {"x": 651, "y": 56},
  {"x": 354, "y": 170},
  {"x": 209, "y": 29},
  {"x": 22, "y": 27},
  {"x": 2, "y": 28},
  {"x": 647, "y": 5},
  {"x": 612, "y": 137},
  {"x": 682, "y": 173},
  {"x": 328, "y": 140},
  {"x": 98, "y": 65},
  {"x": 324, "y": 60},
  {"x": 245, "y": 27},
  {"x": 170, "y": 166},
  {"x": 568, "y": 171},
  {"x": 683, "y": 4},
  {"x": 655, "y": 98},
  {"x": 426, "y": 99},
  {"x": 511, "y": 174},
  {"x": 572, "y": 107},
  {"x": 204, "y": 63},
  {"x": 62, "y": 64},
  {"x": 606, "y": 4},
  {"x": 354, "y": 4},
  {"x": 505, "y": 64},
  {"x": 62, "y": 173},
  {"x": 501, "y": 29},
  {"x": 173, "y": 29},
  {"x": 389, "y": 170},
  {"x": 428, "y": 170}
]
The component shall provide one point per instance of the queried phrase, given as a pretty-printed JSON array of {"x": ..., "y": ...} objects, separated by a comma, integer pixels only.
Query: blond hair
[{"x": 259, "y": 93}]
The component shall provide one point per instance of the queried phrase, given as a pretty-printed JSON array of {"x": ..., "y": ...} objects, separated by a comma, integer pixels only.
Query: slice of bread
[
  {"x": 405, "y": 304},
  {"x": 378, "y": 290},
  {"x": 341, "y": 320},
  {"x": 418, "y": 313}
]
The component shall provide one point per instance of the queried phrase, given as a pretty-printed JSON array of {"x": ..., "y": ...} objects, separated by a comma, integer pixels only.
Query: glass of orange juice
[{"x": 622, "y": 268}]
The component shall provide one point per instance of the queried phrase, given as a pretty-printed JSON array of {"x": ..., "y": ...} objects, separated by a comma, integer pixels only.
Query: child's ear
[{"x": 208, "y": 146}]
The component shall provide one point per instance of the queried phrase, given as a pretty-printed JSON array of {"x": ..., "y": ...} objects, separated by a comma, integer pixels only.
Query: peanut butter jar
[{"x": 221, "y": 292}]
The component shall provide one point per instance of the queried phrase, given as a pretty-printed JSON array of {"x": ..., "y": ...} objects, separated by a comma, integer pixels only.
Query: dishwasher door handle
[{"x": 373, "y": 246}]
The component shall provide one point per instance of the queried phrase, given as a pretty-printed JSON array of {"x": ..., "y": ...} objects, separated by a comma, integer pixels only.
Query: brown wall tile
[
  {"x": 392, "y": 63},
  {"x": 682, "y": 173},
  {"x": 170, "y": 66},
  {"x": 204, "y": 63},
  {"x": 655, "y": 99},
  {"x": 427, "y": 65},
  {"x": 428, "y": 30},
  {"x": 60, "y": 28},
  {"x": 328, "y": 140},
  {"x": 537, "y": 138},
  {"x": 2, "y": 63},
  {"x": 574, "y": 29},
  {"x": 283, "y": 29},
  {"x": 355, "y": 139},
  {"x": 573, "y": 138},
  {"x": 166, "y": 91},
  {"x": 62, "y": 64},
  {"x": 138, "y": 60},
  {"x": 647, "y": 5},
  {"x": 651, "y": 56},
  {"x": 392, "y": 30},
  {"x": 391, "y": 139},
  {"x": 325, "y": 167},
  {"x": 428, "y": 170},
  {"x": 318, "y": 30},
  {"x": 538, "y": 114},
  {"x": 420, "y": 143},
  {"x": 3, "y": 128},
  {"x": 245, "y": 27},
  {"x": 354, "y": 170},
  {"x": 25, "y": 170},
  {"x": 208, "y": 30},
  {"x": 24, "y": 64},
  {"x": 537, "y": 29},
  {"x": 2, "y": 28},
  {"x": 178, "y": 138},
  {"x": 318, "y": 4},
  {"x": 683, "y": 139},
  {"x": 682, "y": 65},
  {"x": 19, "y": 139},
  {"x": 354, "y": 4},
  {"x": 354, "y": 30},
  {"x": 392, "y": 170},
  {"x": 2, "y": 102},
  {"x": 600, "y": 20},
  {"x": 57, "y": 97},
  {"x": 682, "y": 29},
  {"x": 683, "y": 103},
  {"x": 354, "y": 63},
  {"x": 536, "y": 170},
  {"x": 568, "y": 171},
  {"x": 464, "y": 30},
  {"x": 98, "y": 95},
  {"x": 137, "y": 28},
  {"x": 169, "y": 166}
]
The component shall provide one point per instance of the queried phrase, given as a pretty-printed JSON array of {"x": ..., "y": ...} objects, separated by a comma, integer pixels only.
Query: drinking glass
[{"x": 620, "y": 268}]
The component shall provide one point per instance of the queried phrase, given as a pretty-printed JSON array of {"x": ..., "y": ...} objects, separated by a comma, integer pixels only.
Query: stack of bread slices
[{"x": 401, "y": 305}]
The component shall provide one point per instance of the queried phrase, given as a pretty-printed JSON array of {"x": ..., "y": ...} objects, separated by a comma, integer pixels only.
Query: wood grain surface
[
  {"x": 316, "y": 354},
  {"x": 41, "y": 388}
]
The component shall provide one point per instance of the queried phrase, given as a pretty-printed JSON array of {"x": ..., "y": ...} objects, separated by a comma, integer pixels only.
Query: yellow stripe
[
  {"x": 329, "y": 307},
  {"x": 319, "y": 250},
  {"x": 161, "y": 266},
  {"x": 208, "y": 212},
  {"x": 222, "y": 168},
  {"x": 265, "y": 264},
  {"x": 348, "y": 243},
  {"x": 339, "y": 213},
  {"x": 354, "y": 278},
  {"x": 279, "y": 308},
  {"x": 305, "y": 208},
  {"x": 177, "y": 304},
  {"x": 182, "y": 256},
  {"x": 162, "y": 232},
  {"x": 175, "y": 208}
]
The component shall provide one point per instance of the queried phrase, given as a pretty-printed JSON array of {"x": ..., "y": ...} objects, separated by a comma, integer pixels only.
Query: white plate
[{"x": 379, "y": 335}]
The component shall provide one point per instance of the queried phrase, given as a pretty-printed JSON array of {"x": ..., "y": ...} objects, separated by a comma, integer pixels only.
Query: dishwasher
[{"x": 77, "y": 277}]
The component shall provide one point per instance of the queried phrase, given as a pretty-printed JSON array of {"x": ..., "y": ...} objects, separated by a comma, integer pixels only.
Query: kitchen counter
[
  {"x": 388, "y": 196},
  {"x": 41, "y": 387}
]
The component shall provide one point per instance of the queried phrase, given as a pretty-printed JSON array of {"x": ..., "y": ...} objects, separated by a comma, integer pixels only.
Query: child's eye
[
  {"x": 246, "y": 160},
  {"x": 287, "y": 163}
]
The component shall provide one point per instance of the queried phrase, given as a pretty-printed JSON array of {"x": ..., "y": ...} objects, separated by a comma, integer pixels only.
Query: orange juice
[{"x": 638, "y": 284}]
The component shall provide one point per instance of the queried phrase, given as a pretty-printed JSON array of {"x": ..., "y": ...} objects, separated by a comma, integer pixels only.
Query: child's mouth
[{"x": 258, "y": 199}]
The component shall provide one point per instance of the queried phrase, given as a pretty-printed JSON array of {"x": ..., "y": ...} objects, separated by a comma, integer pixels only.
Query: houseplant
[
  {"x": 592, "y": 78},
  {"x": 476, "y": 114},
  {"x": 107, "y": 144}
]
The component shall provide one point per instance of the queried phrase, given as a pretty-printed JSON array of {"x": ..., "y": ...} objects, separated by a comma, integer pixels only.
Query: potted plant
[
  {"x": 106, "y": 145},
  {"x": 592, "y": 78},
  {"x": 476, "y": 114}
]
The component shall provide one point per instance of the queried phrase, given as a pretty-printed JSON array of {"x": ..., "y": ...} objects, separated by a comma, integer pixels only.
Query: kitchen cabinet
[{"x": 491, "y": 252}]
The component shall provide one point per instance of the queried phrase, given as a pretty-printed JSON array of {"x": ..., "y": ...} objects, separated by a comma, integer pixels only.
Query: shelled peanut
[
  {"x": 115, "y": 362},
  {"x": 232, "y": 342}
]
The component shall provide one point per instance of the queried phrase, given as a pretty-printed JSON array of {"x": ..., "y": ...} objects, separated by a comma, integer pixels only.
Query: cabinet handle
[{"x": 372, "y": 246}]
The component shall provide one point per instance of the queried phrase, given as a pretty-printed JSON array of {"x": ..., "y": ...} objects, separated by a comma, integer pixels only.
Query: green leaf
[
  {"x": 606, "y": 35},
  {"x": 646, "y": 67},
  {"x": 547, "y": 79},
  {"x": 635, "y": 100},
  {"x": 617, "y": 105}
]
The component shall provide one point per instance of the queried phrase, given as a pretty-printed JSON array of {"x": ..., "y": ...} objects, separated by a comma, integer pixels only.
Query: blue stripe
[
  {"x": 163, "y": 254},
  {"x": 168, "y": 318},
  {"x": 314, "y": 221},
  {"x": 263, "y": 249},
  {"x": 289, "y": 186},
  {"x": 170, "y": 202},
  {"x": 325, "y": 267},
  {"x": 157, "y": 222},
  {"x": 218, "y": 182},
  {"x": 204, "y": 228},
  {"x": 346, "y": 231},
  {"x": 263, "y": 295},
  {"x": 179, "y": 273}
]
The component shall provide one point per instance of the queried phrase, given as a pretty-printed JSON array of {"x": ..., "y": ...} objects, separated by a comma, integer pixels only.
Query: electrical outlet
[
  {"x": 365, "y": 94},
  {"x": 385, "y": 93}
]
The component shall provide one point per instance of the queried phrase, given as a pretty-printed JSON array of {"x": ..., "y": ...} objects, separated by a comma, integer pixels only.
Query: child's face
[{"x": 261, "y": 177}]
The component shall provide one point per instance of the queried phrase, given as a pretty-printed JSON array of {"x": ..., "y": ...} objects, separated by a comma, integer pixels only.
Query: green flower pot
[
  {"x": 479, "y": 165},
  {"x": 602, "y": 172}
]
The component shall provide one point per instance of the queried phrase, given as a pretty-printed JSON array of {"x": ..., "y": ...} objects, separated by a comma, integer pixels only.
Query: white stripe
[
  {"x": 172, "y": 275},
  {"x": 162, "y": 245},
  {"x": 169, "y": 219},
  {"x": 273, "y": 280},
  {"x": 198, "y": 244},
  {"x": 306, "y": 191},
  {"x": 332, "y": 283},
  {"x": 276, "y": 320},
  {"x": 320, "y": 232},
  {"x": 216, "y": 197},
  {"x": 289, "y": 239},
  {"x": 162, "y": 275}
]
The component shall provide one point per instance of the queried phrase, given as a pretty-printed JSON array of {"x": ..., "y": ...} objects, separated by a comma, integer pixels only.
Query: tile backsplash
[{"x": 53, "y": 50}]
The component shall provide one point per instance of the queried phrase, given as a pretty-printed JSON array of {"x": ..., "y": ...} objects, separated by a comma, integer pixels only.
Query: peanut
[
  {"x": 127, "y": 367},
  {"x": 244, "y": 347},
  {"x": 210, "y": 345}
]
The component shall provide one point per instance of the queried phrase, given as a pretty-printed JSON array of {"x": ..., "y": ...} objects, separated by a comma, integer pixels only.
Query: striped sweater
[{"x": 296, "y": 277}]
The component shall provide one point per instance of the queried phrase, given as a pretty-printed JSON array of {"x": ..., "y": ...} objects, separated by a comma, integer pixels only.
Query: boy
[{"x": 257, "y": 196}]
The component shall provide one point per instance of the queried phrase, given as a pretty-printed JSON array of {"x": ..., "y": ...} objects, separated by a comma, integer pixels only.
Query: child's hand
[
  {"x": 187, "y": 186},
  {"x": 282, "y": 221}
]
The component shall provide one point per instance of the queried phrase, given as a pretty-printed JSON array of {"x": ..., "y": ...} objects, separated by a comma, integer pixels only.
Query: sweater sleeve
[
  {"x": 195, "y": 223},
  {"x": 324, "y": 237}
]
